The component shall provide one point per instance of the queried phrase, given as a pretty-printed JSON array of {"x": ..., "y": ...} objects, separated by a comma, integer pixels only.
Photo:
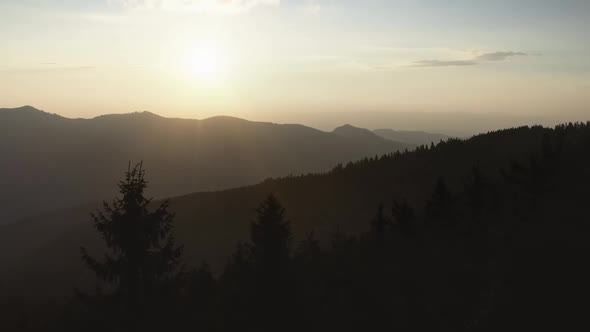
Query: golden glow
[
  {"x": 205, "y": 62},
  {"x": 180, "y": 57}
]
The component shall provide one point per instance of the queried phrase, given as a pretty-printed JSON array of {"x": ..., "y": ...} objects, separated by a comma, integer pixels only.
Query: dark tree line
[{"x": 503, "y": 251}]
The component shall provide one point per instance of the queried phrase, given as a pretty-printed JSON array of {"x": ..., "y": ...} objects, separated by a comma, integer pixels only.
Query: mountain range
[{"x": 49, "y": 162}]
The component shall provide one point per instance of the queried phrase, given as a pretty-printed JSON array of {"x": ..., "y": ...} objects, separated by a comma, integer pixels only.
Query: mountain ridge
[{"x": 53, "y": 155}]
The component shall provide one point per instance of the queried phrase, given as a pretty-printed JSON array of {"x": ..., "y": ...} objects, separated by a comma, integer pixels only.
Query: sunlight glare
[{"x": 206, "y": 62}]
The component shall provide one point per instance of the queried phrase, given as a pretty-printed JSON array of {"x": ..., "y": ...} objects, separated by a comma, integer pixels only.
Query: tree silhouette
[
  {"x": 142, "y": 254},
  {"x": 271, "y": 255},
  {"x": 271, "y": 236}
]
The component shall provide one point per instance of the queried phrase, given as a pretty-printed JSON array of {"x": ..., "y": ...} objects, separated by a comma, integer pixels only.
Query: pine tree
[
  {"x": 271, "y": 236},
  {"x": 271, "y": 255},
  {"x": 142, "y": 254}
]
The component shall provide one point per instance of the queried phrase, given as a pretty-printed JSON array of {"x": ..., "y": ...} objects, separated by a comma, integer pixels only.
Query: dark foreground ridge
[{"x": 485, "y": 234}]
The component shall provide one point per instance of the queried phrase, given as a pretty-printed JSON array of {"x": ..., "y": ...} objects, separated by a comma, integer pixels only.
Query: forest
[{"x": 503, "y": 246}]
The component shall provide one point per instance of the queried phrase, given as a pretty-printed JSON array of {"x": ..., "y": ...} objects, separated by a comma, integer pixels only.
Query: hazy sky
[{"x": 251, "y": 58}]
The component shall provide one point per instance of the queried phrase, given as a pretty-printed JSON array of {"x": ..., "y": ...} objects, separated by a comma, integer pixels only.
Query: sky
[{"x": 277, "y": 59}]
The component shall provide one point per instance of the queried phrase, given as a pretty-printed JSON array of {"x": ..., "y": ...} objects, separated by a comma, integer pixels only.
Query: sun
[{"x": 206, "y": 62}]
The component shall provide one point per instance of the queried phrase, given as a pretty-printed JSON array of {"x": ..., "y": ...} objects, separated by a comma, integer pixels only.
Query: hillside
[
  {"x": 211, "y": 224},
  {"x": 50, "y": 162}
]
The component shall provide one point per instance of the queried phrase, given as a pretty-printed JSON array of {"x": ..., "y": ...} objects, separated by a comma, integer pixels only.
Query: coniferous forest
[{"x": 503, "y": 246}]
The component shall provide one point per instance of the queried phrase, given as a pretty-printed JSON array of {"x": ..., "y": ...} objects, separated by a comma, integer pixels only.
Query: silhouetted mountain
[
  {"x": 210, "y": 224},
  {"x": 52, "y": 162},
  {"x": 365, "y": 135},
  {"x": 410, "y": 137},
  {"x": 358, "y": 133}
]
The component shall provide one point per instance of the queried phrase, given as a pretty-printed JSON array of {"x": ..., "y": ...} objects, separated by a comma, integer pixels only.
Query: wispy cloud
[
  {"x": 481, "y": 58},
  {"x": 443, "y": 63},
  {"x": 499, "y": 56}
]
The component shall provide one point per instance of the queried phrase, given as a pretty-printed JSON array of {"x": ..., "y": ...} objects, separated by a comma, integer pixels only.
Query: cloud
[
  {"x": 443, "y": 63},
  {"x": 485, "y": 57},
  {"x": 216, "y": 6},
  {"x": 499, "y": 56}
]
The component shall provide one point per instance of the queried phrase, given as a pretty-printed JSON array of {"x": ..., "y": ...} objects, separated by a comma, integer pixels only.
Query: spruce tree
[
  {"x": 271, "y": 236},
  {"x": 142, "y": 256},
  {"x": 271, "y": 255}
]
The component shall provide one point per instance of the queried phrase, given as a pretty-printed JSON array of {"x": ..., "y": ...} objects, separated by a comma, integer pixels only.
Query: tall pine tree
[
  {"x": 271, "y": 255},
  {"x": 271, "y": 237},
  {"x": 142, "y": 255}
]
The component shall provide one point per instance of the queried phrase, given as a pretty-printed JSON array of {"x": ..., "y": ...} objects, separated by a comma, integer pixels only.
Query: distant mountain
[
  {"x": 411, "y": 137},
  {"x": 49, "y": 162},
  {"x": 361, "y": 134},
  {"x": 345, "y": 199}
]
